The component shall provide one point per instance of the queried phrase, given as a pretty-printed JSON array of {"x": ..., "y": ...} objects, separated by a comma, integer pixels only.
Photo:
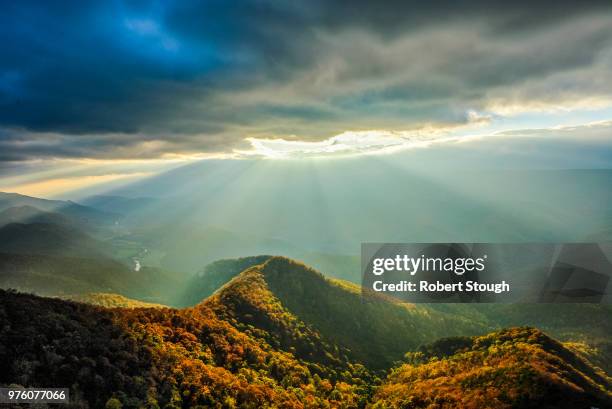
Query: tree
[{"x": 113, "y": 403}]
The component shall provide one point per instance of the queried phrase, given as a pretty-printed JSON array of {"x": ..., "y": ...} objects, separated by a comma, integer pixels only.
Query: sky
[{"x": 101, "y": 92}]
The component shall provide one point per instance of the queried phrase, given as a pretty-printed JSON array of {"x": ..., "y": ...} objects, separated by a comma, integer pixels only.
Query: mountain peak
[
  {"x": 279, "y": 267},
  {"x": 289, "y": 298},
  {"x": 68, "y": 209}
]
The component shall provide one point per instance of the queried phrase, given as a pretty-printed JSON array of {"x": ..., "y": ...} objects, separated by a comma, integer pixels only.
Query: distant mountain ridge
[
  {"x": 71, "y": 276},
  {"x": 29, "y": 214},
  {"x": 50, "y": 239},
  {"x": 323, "y": 211},
  {"x": 118, "y": 204},
  {"x": 69, "y": 209}
]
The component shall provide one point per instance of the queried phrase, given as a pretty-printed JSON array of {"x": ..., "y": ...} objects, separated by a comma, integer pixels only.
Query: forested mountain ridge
[
  {"x": 294, "y": 301},
  {"x": 164, "y": 357},
  {"x": 169, "y": 358},
  {"x": 512, "y": 368},
  {"x": 315, "y": 299}
]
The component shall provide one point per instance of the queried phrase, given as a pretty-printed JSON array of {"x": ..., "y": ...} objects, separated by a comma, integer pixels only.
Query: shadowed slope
[
  {"x": 214, "y": 276},
  {"x": 62, "y": 276},
  {"x": 29, "y": 214},
  {"x": 50, "y": 239}
]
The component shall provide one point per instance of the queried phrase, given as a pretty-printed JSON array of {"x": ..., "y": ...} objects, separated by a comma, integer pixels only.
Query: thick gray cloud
[{"x": 138, "y": 79}]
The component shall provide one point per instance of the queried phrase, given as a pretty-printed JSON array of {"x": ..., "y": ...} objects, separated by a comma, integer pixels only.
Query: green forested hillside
[
  {"x": 586, "y": 325},
  {"x": 285, "y": 294}
]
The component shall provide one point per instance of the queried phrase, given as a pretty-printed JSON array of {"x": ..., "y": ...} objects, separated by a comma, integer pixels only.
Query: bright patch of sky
[{"x": 374, "y": 142}]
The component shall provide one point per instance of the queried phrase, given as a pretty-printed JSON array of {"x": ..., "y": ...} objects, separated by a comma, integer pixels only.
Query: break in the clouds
[
  {"x": 347, "y": 143},
  {"x": 386, "y": 142},
  {"x": 123, "y": 79}
]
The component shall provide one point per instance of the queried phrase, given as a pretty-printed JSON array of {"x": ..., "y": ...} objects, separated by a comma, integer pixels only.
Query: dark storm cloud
[{"x": 122, "y": 78}]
